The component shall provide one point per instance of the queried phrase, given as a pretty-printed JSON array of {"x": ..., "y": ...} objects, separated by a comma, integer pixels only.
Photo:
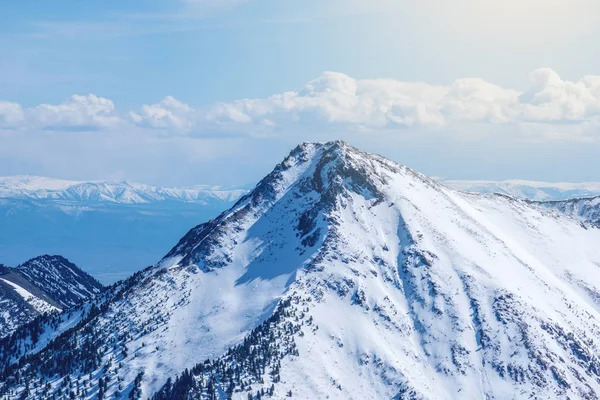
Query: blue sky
[{"x": 204, "y": 91}]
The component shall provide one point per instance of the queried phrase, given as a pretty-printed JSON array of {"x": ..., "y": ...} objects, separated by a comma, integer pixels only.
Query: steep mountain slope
[
  {"x": 41, "y": 285},
  {"x": 341, "y": 275},
  {"x": 533, "y": 190},
  {"x": 110, "y": 227},
  {"x": 585, "y": 209}
]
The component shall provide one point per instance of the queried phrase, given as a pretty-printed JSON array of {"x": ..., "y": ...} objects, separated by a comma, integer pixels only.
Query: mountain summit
[{"x": 342, "y": 275}]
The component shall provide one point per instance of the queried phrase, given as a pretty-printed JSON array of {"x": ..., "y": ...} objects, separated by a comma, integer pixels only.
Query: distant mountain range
[
  {"x": 341, "y": 275},
  {"x": 533, "y": 190},
  {"x": 41, "y": 285},
  {"x": 111, "y": 229},
  {"x": 40, "y": 188}
]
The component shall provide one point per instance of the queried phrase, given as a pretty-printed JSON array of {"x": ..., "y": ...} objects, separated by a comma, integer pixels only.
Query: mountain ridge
[{"x": 41, "y": 285}]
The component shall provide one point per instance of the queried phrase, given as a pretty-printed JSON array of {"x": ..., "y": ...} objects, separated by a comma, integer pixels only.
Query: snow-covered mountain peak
[
  {"x": 378, "y": 246},
  {"x": 346, "y": 275},
  {"x": 326, "y": 168},
  {"x": 306, "y": 187}
]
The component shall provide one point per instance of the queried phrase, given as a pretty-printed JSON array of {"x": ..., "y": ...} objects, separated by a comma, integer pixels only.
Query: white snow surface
[
  {"x": 524, "y": 189},
  {"x": 415, "y": 290}
]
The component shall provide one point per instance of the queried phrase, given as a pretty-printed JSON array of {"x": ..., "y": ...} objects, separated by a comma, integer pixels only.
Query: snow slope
[
  {"x": 533, "y": 190},
  {"x": 346, "y": 275}
]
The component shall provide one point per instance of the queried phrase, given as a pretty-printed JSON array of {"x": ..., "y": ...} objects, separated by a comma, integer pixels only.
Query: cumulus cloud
[
  {"x": 476, "y": 100},
  {"x": 338, "y": 100},
  {"x": 169, "y": 113},
  {"x": 11, "y": 114},
  {"x": 77, "y": 112},
  {"x": 554, "y": 99}
]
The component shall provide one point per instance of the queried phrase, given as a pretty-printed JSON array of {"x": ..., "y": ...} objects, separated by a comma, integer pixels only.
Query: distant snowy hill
[
  {"x": 533, "y": 190},
  {"x": 110, "y": 228},
  {"x": 35, "y": 187},
  {"x": 41, "y": 285},
  {"x": 342, "y": 275}
]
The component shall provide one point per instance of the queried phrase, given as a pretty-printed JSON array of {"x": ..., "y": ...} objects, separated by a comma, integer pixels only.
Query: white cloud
[
  {"x": 337, "y": 99},
  {"x": 553, "y": 107},
  {"x": 77, "y": 112},
  {"x": 476, "y": 100},
  {"x": 169, "y": 113},
  {"x": 11, "y": 114},
  {"x": 553, "y": 99}
]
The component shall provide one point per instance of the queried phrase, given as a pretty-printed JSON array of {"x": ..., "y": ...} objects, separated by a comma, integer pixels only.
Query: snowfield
[{"x": 344, "y": 275}]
